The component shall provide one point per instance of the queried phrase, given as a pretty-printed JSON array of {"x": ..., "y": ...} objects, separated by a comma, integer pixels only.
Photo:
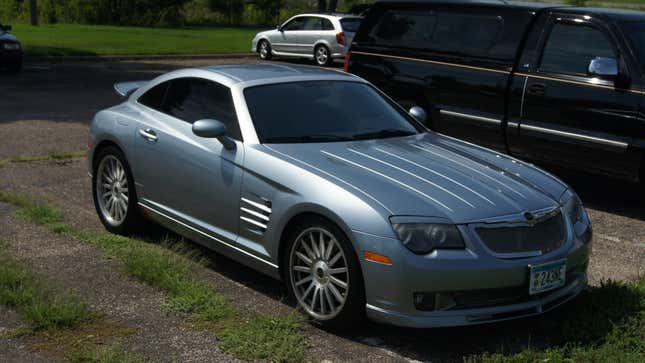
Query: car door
[
  {"x": 289, "y": 36},
  {"x": 572, "y": 116},
  {"x": 311, "y": 33},
  {"x": 194, "y": 180}
]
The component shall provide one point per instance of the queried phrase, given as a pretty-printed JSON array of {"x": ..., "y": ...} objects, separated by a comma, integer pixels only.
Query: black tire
[
  {"x": 264, "y": 55},
  {"x": 348, "y": 313},
  {"x": 132, "y": 221},
  {"x": 323, "y": 61}
]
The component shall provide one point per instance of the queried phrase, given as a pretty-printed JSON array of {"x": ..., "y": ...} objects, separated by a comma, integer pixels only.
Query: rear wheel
[
  {"x": 115, "y": 197},
  {"x": 264, "y": 50},
  {"x": 324, "y": 275},
  {"x": 322, "y": 56}
]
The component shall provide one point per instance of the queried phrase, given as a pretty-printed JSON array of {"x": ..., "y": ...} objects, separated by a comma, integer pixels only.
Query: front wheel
[
  {"x": 264, "y": 50},
  {"x": 322, "y": 55},
  {"x": 115, "y": 197},
  {"x": 324, "y": 274}
]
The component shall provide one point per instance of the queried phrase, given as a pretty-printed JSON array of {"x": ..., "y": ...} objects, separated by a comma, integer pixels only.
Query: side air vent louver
[{"x": 255, "y": 215}]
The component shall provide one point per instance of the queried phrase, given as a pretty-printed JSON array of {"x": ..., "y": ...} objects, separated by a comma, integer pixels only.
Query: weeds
[{"x": 172, "y": 267}]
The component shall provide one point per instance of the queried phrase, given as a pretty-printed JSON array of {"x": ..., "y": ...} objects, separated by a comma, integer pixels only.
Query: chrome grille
[{"x": 543, "y": 237}]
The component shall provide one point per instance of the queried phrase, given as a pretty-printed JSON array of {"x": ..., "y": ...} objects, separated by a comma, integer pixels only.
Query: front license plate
[{"x": 547, "y": 276}]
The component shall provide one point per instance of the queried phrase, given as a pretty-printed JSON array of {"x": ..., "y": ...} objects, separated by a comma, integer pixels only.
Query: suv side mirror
[
  {"x": 6, "y": 28},
  {"x": 603, "y": 67},
  {"x": 419, "y": 114},
  {"x": 213, "y": 129},
  {"x": 278, "y": 28}
]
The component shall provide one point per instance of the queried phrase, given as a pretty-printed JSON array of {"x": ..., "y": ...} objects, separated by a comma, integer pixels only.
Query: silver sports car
[{"x": 315, "y": 177}]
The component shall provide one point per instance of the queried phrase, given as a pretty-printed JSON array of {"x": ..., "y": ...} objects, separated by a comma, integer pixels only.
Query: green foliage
[
  {"x": 37, "y": 304},
  {"x": 110, "y": 354},
  {"x": 576, "y": 2}
]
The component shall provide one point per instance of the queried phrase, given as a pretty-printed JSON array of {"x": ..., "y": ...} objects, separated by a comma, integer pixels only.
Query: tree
[
  {"x": 270, "y": 9},
  {"x": 33, "y": 12}
]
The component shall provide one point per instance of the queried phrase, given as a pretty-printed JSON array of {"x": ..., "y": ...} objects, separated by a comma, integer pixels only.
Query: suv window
[
  {"x": 487, "y": 33},
  {"x": 312, "y": 23},
  {"x": 294, "y": 24},
  {"x": 350, "y": 24},
  {"x": 327, "y": 25},
  {"x": 193, "y": 99},
  {"x": 570, "y": 48},
  {"x": 155, "y": 96}
]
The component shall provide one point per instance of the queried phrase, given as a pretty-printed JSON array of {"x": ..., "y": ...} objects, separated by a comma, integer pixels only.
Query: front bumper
[
  {"x": 10, "y": 57},
  {"x": 473, "y": 272}
]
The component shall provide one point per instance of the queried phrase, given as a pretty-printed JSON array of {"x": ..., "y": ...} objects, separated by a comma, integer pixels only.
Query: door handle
[
  {"x": 537, "y": 89},
  {"x": 148, "y": 134}
]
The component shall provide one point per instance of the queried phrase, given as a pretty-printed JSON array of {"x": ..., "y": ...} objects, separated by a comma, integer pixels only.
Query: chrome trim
[
  {"x": 526, "y": 80},
  {"x": 597, "y": 140},
  {"x": 207, "y": 235},
  {"x": 413, "y": 175},
  {"x": 255, "y": 214},
  {"x": 436, "y": 173},
  {"x": 148, "y": 134},
  {"x": 388, "y": 178},
  {"x": 257, "y": 205},
  {"x": 471, "y": 117},
  {"x": 254, "y": 222}
]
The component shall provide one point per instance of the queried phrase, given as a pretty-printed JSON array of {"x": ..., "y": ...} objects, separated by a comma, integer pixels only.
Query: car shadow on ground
[{"x": 581, "y": 320}]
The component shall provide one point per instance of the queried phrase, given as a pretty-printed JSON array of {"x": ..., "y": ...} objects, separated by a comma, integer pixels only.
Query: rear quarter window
[{"x": 491, "y": 33}]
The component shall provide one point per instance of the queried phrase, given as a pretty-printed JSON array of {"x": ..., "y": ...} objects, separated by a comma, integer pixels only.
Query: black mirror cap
[{"x": 213, "y": 129}]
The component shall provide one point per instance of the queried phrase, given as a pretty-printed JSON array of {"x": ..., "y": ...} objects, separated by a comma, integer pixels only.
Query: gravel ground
[{"x": 47, "y": 107}]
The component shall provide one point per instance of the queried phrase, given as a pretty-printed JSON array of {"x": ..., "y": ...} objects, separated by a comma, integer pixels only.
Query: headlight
[
  {"x": 423, "y": 238},
  {"x": 574, "y": 211},
  {"x": 11, "y": 46}
]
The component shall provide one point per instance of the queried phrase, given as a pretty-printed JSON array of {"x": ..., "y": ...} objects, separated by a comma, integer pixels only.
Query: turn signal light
[{"x": 375, "y": 257}]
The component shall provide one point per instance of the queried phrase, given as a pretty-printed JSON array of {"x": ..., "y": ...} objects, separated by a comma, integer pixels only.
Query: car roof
[
  {"x": 330, "y": 15},
  {"x": 241, "y": 73}
]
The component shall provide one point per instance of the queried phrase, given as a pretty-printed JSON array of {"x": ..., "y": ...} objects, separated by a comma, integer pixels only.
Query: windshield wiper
[
  {"x": 383, "y": 134},
  {"x": 306, "y": 138}
]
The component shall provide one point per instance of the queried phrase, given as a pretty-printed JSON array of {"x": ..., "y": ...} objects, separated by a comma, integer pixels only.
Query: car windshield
[
  {"x": 350, "y": 24},
  {"x": 324, "y": 111},
  {"x": 635, "y": 31}
]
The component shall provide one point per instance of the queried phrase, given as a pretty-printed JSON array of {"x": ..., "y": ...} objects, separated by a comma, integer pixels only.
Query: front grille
[{"x": 545, "y": 236}]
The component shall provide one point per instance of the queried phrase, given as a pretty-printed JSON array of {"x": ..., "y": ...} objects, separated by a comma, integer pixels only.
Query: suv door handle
[
  {"x": 148, "y": 134},
  {"x": 537, "y": 89}
]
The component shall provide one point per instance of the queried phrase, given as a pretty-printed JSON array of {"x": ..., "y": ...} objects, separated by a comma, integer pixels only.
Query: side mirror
[
  {"x": 603, "y": 67},
  {"x": 213, "y": 129},
  {"x": 7, "y": 28},
  {"x": 278, "y": 28},
  {"x": 419, "y": 114}
]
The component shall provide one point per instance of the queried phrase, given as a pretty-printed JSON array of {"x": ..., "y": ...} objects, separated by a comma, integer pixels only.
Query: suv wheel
[{"x": 323, "y": 273}]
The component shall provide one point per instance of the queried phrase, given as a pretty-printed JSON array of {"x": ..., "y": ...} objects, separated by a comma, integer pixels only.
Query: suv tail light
[
  {"x": 346, "y": 64},
  {"x": 340, "y": 38}
]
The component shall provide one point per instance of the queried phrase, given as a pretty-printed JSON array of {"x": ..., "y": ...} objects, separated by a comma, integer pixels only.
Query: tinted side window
[
  {"x": 327, "y": 25},
  {"x": 570, "y": 48},
  {"x": 312, "y": 24},
  {"x": 193, "y": 99},
  {"x": 155, "y": 96},
  {"x": 295, "y": 24},
  {"x": 487, "y": 33}
]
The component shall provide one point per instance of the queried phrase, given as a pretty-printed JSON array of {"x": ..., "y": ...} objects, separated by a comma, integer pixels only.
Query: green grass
[
  {"x": 52, "y": 155},
  {"x": 38, "y": 304},
  {"x": 172, "y": 268},
  {"x": 72, "y": 39},
  {"x": 110, "y": 354}
]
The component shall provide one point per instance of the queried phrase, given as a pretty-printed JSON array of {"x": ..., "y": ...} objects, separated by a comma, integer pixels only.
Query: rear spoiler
[{"x": 125, "y": 89}]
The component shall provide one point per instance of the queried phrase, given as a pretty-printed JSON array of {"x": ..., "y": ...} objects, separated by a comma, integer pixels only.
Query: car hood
[
  {"x": 430, "y": 175},
  {"x": 7, "y": 36}
]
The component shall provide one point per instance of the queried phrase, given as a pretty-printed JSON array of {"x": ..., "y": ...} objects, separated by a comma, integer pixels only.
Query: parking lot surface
[{"x": 47, "y": 108}]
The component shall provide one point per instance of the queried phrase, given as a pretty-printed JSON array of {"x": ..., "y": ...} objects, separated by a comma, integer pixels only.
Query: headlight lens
[
  {"x": 575, "y": 211},
  {"x": 423, "y": 238},
  {"x": 11, "y": 46}
]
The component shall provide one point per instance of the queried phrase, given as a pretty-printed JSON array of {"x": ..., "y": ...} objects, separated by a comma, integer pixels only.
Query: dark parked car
[
  {"x": 10, "y": 50},
  {"x": 555, "y": 84}
]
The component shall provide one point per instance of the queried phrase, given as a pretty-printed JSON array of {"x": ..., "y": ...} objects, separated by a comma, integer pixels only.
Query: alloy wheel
[
  {"x": 322, "y": 55},
  {"x": 319, "y": 273},
  {"x": 112, "y": 191},
  {"x": 264, "y": 49}
]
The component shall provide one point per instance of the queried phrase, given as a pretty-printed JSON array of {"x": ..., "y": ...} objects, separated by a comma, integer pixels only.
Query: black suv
[{"x": 554, "y": 84}]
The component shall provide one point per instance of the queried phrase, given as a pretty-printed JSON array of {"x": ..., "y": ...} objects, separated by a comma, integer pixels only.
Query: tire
[
  {"x": 264, "y": 50},
  {"x": 322, "y": 56},
  {"x": 112, "y": 168},
  {"x": 311, "y": 275}
]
